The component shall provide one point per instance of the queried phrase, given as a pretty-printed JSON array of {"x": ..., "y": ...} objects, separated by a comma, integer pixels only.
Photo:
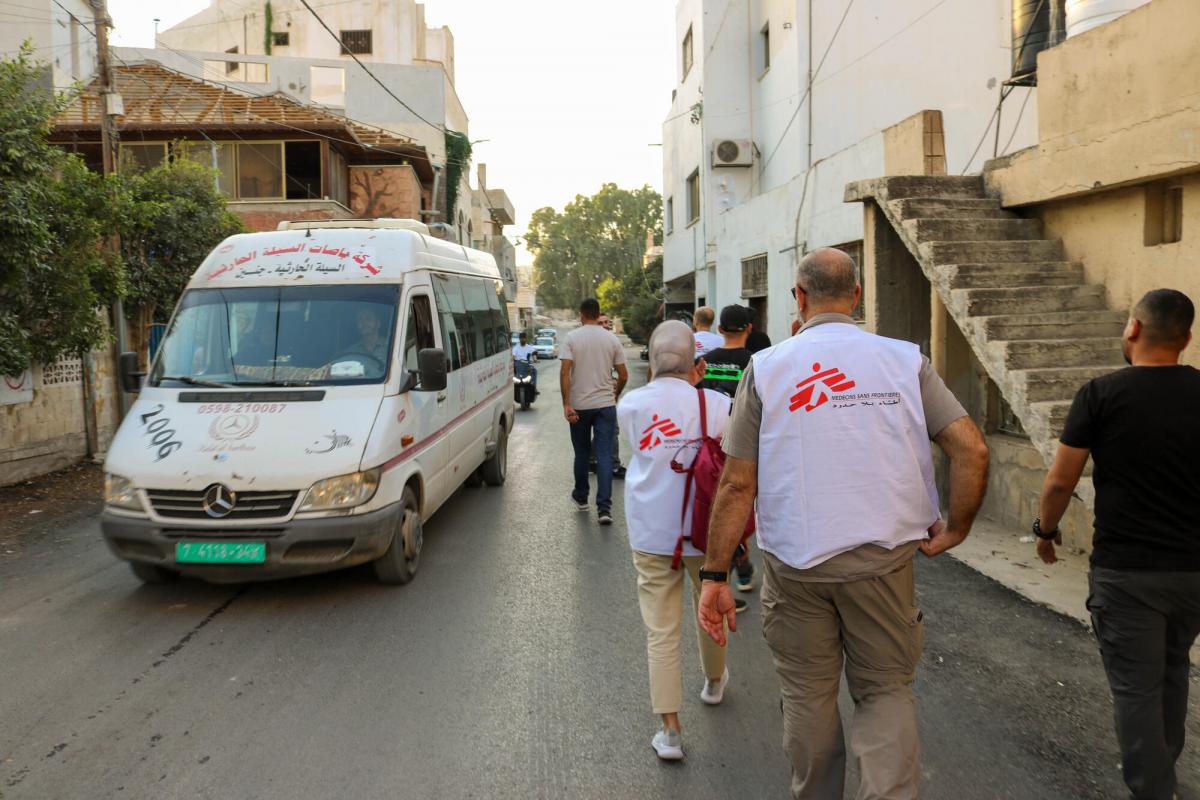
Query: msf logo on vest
[
  {"x": 816, "y": 390},
  {"x": 653, "y": 435}
]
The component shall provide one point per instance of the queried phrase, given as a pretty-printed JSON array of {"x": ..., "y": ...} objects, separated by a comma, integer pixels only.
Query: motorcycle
[{"x": 524, "y": 389}]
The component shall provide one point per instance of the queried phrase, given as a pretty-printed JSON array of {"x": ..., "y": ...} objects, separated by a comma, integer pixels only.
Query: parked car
[
  {"x": 293, "y": 426},
  {"x": 545, "y": 347},
  {"x": 550, "y": 332}
]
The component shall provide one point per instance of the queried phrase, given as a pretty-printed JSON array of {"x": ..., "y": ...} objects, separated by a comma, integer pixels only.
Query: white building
[
  {"x": 736, "y": 214},
  {"x": 61, "y": 34},
  {"x": 230, "y": 43}
]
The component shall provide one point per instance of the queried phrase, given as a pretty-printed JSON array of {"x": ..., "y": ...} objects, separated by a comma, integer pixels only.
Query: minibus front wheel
[{"x": 399, "y": 563}]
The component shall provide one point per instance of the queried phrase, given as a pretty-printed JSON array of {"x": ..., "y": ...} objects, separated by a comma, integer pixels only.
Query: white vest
[
  {"x": 844, "y": 457},
  {"x": 658, "y": 420}
]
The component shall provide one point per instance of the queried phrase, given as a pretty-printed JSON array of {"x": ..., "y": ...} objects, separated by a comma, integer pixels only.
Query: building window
[
  {"x": 231, "y": 66},
  {"x": 356, "y": 42},
  {"x": 687, "y": 53},
  {"x": 693, "y": 197},
  {"x": 670, "y": 215},
  {"x": 141, "y": 156},
  {"x": 754, "y": 276},
  {"x": 279, "y": 39},
  {"x": 327, "y": 86},
  {"x": 220, "y": 156},
  {"x": 260, "y": 170},
  {"x": 1164, "y": 214},
  {"x": 764, "y": 44}
]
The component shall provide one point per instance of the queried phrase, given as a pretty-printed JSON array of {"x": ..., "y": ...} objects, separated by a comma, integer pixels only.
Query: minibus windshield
[{"x": 280, "y": 336}]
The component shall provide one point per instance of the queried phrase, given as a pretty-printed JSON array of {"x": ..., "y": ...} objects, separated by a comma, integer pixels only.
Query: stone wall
[
  {"x": 50, "y": 431},
  {"x": 1015, "y": 488},
  {"x": 393, "y": 191}
]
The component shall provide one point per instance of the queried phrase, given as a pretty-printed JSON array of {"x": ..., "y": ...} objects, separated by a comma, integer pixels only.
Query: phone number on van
[{"x": 241, "y": 408}]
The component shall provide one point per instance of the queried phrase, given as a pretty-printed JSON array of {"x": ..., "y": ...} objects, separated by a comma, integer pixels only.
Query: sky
[{"x": 569, "y": 94}]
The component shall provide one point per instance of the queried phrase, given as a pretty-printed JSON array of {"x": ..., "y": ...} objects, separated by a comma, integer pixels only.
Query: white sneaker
[
  {"x": 668, "y": 745},
  {"x": 714, "y": 691}
]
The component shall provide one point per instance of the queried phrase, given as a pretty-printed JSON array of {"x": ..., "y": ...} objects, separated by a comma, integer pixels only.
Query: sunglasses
[{"x": 794, "y": 288}]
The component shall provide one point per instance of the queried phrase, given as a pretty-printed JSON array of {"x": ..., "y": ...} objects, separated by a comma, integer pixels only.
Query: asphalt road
[{"x": 513, "y": 666}]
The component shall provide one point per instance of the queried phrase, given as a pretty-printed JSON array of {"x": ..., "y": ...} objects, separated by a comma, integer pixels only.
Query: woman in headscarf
[{"x": 659, "y": 419}]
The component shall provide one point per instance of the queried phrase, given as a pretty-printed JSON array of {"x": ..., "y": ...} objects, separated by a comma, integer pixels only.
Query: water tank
[
  {"x": 1030, "y": 34},
  {"x": 1083, "y": 15}
]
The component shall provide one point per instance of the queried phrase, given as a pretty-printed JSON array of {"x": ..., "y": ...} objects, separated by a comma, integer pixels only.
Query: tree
[
  {"x": 593, "y": 239},
  {"x": 169, "y": 218},
  {"x": 54, "y": 276}
]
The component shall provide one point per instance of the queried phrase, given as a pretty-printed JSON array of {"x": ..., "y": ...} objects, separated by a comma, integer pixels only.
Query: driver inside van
[{"x": 372, "y": 340}]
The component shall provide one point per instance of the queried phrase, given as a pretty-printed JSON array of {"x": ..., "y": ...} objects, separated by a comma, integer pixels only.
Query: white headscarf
[{"x": 672, "y": 350}]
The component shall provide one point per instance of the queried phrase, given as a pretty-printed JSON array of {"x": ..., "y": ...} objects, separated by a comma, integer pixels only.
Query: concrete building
[
  {"x": 61, "y": 34},
  {"x": 1018, "y": 282},
  {"x": 755, "y": 162}
]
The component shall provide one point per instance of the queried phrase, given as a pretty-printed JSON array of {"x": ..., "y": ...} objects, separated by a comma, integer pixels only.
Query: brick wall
[{"x": 266, "y": 215}]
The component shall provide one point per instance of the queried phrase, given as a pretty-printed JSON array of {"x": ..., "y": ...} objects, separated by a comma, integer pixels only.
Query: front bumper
[{"x": 298, "y": 547}]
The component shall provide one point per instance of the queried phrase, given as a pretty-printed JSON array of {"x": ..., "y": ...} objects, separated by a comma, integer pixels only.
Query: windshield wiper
[{"x": 190, "y": 381}]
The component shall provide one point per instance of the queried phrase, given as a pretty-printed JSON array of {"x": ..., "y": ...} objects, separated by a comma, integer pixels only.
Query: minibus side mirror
[
  {"x": 431, "y": 366},
  {"x": 131, "y": 379}
]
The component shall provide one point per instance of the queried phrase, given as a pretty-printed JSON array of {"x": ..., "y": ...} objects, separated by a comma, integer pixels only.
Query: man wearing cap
[
  {"x": 724, "y": 374},
  {"x": 830, "y": 431},
  {"x": 725, "y": 363}
]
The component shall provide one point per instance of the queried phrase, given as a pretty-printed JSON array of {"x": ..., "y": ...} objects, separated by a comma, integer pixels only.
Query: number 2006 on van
[{"x": 320, "y": 391}]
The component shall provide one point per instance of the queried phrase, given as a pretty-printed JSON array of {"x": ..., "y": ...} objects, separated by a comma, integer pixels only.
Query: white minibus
[{"x": 320, "y": 391}]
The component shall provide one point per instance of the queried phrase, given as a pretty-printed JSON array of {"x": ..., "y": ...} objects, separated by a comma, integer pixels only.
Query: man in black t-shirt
[
  {"x": 726, "y": 363},
  {"x": 1141, "y": 426},
  {"x": 723, "y": 373}
]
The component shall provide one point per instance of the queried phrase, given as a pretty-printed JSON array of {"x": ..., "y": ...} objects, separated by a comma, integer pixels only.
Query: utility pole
[{"x": 111, "y": 105}]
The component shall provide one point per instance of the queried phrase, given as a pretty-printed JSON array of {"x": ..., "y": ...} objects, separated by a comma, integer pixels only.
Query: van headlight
[
  {"x": 344, "y": 491},
  {"x": 119, "y": 493}
]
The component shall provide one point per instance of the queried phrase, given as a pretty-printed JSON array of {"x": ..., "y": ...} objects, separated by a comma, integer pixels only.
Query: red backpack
[{"x": 703, "y": 475}]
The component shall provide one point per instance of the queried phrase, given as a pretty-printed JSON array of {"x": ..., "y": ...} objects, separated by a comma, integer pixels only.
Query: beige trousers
[
  {"x": 660, "y": 595},
  {"x": 874, "y": 628}
]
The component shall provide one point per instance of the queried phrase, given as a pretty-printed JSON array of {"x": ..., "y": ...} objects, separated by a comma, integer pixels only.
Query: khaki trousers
[
  {"x": 874, "y": 627},
  {"x": 660, "y": 595}
]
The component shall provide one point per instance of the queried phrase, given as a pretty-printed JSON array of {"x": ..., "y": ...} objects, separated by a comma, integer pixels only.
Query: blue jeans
[{"x": 602, "y": 423}]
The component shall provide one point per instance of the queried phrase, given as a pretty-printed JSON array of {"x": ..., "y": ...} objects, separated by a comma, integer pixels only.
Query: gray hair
[
  {"x": 672, "y": 349},
  {"x": 827, "y": 274}
]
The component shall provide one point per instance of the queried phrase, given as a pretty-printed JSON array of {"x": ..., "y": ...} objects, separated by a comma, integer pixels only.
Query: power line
[
  {"x": 375, "y": 78},
  {"x": 231, "y": 21},
  {"x": 1017, "y": 124},
  {"x": 886, "y": 41}
]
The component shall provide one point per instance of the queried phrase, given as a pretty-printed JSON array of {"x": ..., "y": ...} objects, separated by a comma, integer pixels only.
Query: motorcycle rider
[{"x": 524, "y": 351}]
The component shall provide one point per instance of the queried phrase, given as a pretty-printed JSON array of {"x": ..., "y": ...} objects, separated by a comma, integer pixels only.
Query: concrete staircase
[{"x": 1032, "y": 321}]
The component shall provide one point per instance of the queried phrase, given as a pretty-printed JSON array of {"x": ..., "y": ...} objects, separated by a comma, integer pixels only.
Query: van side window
[
  {"x": 482, "y": 340},
  {"x": 418, "y": 331},
  {"x": 499, "y": 309},
  {"x": 452, "y": 318}
]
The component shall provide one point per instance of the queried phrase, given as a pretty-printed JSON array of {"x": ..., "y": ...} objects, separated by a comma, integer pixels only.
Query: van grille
[{"x": 177, "y": 504}]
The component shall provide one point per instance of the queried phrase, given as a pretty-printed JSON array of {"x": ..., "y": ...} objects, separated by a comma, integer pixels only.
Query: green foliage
[
  {"x": 54, "y": 276},
  {"x": 458, "y": 158},
  {"x": 169, "y": 218},
  {"x": 641, "y": 305},
  {"x": 268, "y": 24},
  {"x": 595, "y": 245}
]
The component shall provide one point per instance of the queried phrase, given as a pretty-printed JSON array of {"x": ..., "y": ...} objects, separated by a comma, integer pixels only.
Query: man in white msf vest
[{"x": 831, "y": 430}]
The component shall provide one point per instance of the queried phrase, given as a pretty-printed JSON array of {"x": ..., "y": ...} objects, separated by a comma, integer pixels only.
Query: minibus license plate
[{"x": 220, "y": 552}]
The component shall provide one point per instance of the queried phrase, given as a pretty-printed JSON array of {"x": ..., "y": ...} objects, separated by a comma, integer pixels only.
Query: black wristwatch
[
  {"x": 1041, "y": 534},
  {"x": 712, "y": 575}
]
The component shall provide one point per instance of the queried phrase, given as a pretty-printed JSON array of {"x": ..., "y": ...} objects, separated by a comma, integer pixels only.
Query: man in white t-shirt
[
  {"x": 589, "y": 355},
  {"x": 702, "y": 321},
  {"x": 524, "y": 351},
  {"x": 662, "y": 420}
]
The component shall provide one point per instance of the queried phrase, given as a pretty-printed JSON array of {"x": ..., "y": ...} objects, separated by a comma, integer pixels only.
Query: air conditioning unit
[{"x": 733, "y": 153}]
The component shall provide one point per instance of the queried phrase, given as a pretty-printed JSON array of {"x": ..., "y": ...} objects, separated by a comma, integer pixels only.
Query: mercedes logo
[{"x": 219, "y": 500}]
